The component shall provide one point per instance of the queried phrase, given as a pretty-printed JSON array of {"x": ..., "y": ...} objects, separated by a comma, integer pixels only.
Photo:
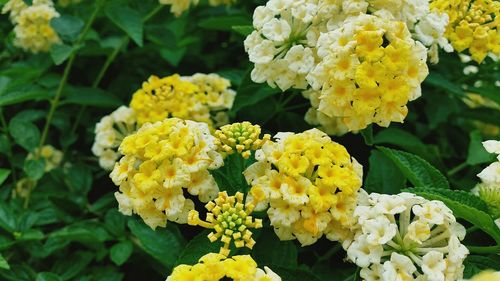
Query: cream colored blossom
[
  {"x": 309, "y": 185},
  {"x": 406, "y": 237},
  {"x": 51, "y": 156}
]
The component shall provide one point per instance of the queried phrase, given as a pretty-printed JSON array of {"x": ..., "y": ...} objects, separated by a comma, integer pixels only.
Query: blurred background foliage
[{"x": 69, "y": 227}]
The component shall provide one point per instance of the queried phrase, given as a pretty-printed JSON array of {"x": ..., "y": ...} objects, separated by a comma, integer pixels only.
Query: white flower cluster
[
  {"x": 110, "y": 132},
  {"x": 406, "y": 237},
  {"x": 491, "y": 174}
]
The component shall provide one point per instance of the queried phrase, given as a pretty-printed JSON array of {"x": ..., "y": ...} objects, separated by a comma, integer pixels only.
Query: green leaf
[
  {"x": 294, "y": 274},
  {"x": 47, "y": 276},
  {"x": 368, "y": 135},
  {"x": 476, "y": 264},
  {"x": 224, "y": 23},
  {"x": 7, "y": 218},
  {"x": 173, "y": 55},
  {"x": 115, "y": 222},
  {"x": 25, "y": 134},
  {"x": 120, "y": 252},
  {"x": 438, "y": 81},
  {"x": 383, "y": 175},
  {"x": 284, "y": 253},
  {"x": 165, "y": 245},
  {"x": 477, "y": 154},
  {"x": 250, "y": 93},
  {"x": 463, "y": 210},
  {"x": 128, "y": 20},
  {"x": 230, "y": 177},
  {"x": 78, "y": 177},
  {"x": 489, "y": 92},
  {"x": 72, "y": 265},
  {"x": 3, "y": 263},
  {"x": 244, "y": 30},
  {"x": 197, "y": 247},
  {"x": 460, "y": 196},
  {"x": 60, "y": 53},
  {"x": 4, "y": 173},
  {"x": 418, "y": 171},
  {"x": 34, "y": 169},
  {"x": 22, "y": 96},
  {"x": 326, "y": 272},
  {"x": 67, "y": 27},
  {"x": 91, "y": 97}
]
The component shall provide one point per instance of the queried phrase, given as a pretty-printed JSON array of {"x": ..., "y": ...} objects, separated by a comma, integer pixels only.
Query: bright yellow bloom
[
  {"x": 369, "y": 80},
  {"x": 190, "y": 98},
  {"x": 230, "y": 219},
  {"x": 160, "y": 161},
  {"x": 309, "y": 183},
  {"x": 242, "y": 138},
  {"x": 214, "y": 267},
  {"x": 473, "y": 25}
]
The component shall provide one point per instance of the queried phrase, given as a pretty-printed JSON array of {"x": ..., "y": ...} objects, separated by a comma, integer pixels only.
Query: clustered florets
[{"x": 242, "y": 138}]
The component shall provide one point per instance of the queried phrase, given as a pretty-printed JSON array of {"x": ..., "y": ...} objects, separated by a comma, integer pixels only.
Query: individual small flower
[
  {"x": 110, "y": 132},
  {"x": 230, "y": 219},
  {"x": 179, "y": 6},
  {"x": 486, "y": 276},
  {"x": 51, "y": 156},
  {"x": 309, "y": 185},
  {"x": 33, "y": 31},
  {"x": 473, "y": 26},
  {"x": 23, "y": 188},
  {"x": 15, "y": 7},
  {"x": 242, "y": 138},
  {"x": 200, "y": 97},
  {"x": 327, "y": 124},
  {"x": 370, "y": 69},
  {"x": 159, "y": 162},
  {"x": 490, "y": 194},
  {"x": 406, "y": 237},
  {"x": 214, "y": 267}
]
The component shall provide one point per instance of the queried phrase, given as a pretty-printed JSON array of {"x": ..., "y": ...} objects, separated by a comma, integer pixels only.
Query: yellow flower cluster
[
  {"x": 242, "y": 138},
  {"x": 487, "y": 276},
  {"x": 473, "y": 25},
  {"x": 370, "y": 69},
  {"x": 32, "y": 25},
  {"x": 214, "y": 267},
  {"x": 230, "y": 219},
  {"x": 160, "y": 160},
  {"x": 310, "y": 184},
  {"x": 174, "y": 96},
  {"x": 51, "y": 156}
]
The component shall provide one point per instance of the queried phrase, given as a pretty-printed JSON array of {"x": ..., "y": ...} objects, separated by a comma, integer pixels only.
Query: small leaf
[
  {"x": 3, "y": 263},
  {"x": 72, "y": 265},
  {"x": 244, "y": 30},
  {"x": 25, "y": 134},
  {"x": 250, "y": 93},
  {"x": 120, "y": 252},
  {"x": 16, "y": 97},
  {"x": 476, "y": 264},
  {"x": 60, "y": 53},
  {"x": 224, "y": 23},
  {"x": 128, "y": 20},
  {"x": 115, "y": 222},
  {"x": 174, "y": 55},
  {"x": 79, "y": 178},
  {"x": 368, "y": 135},
  {"x": 91, "y": 97},
  {"x": 294, "y": 274},
  {"x": 383, "y": 176},
  {"x": 7, "y": 218},
  {"x": 438, "y": 81},
  {"x": 477, "y": 154},
  {"x": 418, "y": 171},
  {"x": 34, "y": 169},
  {"x": 284, "y": 253},
  {"x": 68, "y": 27},
  {"x": 4, "y": 173},
  {"x": 197, "y": 247}
]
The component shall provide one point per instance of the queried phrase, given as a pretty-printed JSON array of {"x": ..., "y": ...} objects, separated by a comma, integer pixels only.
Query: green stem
[
  {"x": 55, "y": 102},
  {"x": 457, "y": 169},
  {"x": 484, "y": 249}
]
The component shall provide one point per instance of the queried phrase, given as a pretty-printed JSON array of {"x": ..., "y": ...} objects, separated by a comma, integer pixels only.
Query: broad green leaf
[
  {"x": 68, "y": 27},
  {"x": 86, "y": 233},
  {"x": 475, "y": 216},
  {"x": 383, "y": 175},
  {"x": 368, "y": 135},
  {"x": 60, "y": 53},
  {"x": 244, "y": 30},
  {"x": 460, "y": 196},
  {"x": 250, "y": 93},
  {"x": 476, "y": 264},
  {"x": 120, "y": 252},
  {"x": 128, "y": 20},
  {"x": 4, "y": 173},
  {"x": 47, "y": 276},
  {"x": 284, "y": 253},
  {"x": 78, "y": 177},
  {"x": 294, "y": 274},
  {"x": 476, "y": 153},
  {"x": 115, "y": 222},
  {"x": 34, "y": 169},
  {"x": 224, "y": 22},
  {"x": 438, "y": 81},
  {"x": 25, "y": 134},
  {"x": 196, "y": 248},
  {"x": 7, "y": 218},
  {"x": 3, "y": 263},
  {"x": 173, "y": 55},
  {"x": 418, "y": 171},
  {"x": 163, "y": 244},
  {"x": 72, "y": 265},
  {"x": 91, "y": 97},
  {"x": 22, "y": 96}
]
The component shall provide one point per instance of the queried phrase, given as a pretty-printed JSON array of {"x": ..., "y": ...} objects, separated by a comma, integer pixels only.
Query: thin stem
[
  {"x": 153, "y": 12},
  {"x": 484, "y": 249},
  {"x": 457, "y": 169}
]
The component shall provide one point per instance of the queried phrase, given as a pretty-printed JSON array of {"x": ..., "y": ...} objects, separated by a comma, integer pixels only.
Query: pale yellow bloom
[{"x": 242, "y": 138}]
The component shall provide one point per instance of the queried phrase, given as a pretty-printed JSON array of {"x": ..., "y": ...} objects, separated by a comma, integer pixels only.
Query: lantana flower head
[
  {"x": 230, "y": 219},
  {"x": 489, "y": 189},
  {"x": 473, "y": 26},
  {"x": 309, "y": 185},
  {"x": 215, "y": 267},
  {"x": 370, "y": 69},
  {"x": 177, "y": 7},
  {"x": 15, "y": 7},
  {"x": 406, "y": 237},
  {"x": 109, "y": 133},
  {"x": 160, "y": 161},
  {"x": 242, "y": 138},
  {"x": 51, "y": 156}
]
